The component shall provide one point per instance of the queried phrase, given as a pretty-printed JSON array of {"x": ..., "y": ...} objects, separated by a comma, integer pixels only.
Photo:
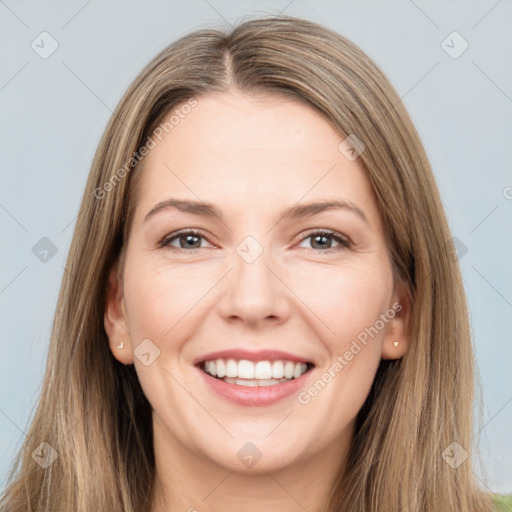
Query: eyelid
[
  {"x": 343, "y": 240},
  {"x": 164, "y": 242}
]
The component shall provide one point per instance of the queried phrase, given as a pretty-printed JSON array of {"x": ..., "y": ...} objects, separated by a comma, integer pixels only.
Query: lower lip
[{"x": 255, "y": 396}]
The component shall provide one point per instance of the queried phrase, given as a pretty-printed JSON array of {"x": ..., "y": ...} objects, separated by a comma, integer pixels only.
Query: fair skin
[{"x": 252, "y": 157}]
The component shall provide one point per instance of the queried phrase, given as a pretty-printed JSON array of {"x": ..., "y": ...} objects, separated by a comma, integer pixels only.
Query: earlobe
[
  {"x": 396, "y": 339},
  {"x": 114, "y": 319}
]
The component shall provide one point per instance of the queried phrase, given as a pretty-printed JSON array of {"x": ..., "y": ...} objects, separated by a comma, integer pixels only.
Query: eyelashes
[
  {"x": 166, "y": 242},
  {"x": 323, "y": 234},
  {"x": 316, "y": 236}
]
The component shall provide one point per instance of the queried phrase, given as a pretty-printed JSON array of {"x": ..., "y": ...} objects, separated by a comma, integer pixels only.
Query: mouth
[{"x": 263, "y": 373}]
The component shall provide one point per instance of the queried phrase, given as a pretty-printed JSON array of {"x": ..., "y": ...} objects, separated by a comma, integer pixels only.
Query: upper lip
[{"x": 252, "y": 355}]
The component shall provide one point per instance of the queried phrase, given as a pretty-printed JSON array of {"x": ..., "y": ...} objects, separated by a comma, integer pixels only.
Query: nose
[{"x": 254, "y": 292}]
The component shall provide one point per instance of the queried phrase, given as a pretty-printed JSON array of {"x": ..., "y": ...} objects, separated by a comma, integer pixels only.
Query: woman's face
[{"x": 255, "y": 290}]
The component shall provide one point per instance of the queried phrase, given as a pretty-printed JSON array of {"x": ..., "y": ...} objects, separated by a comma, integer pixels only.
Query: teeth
[
  {"x": 254, "y": 383},
  {"x": 248, "y": 373},
  {"x": 231, "y": 368},
  {"x": 277, "y": 369},
  {"x": 245, "y": 369},
  {"x": 288, "y": 369},
  {"x": 263, "y": 370},
  {"x": 221, "y": 368},
  {"x": 299, "y": 369}
]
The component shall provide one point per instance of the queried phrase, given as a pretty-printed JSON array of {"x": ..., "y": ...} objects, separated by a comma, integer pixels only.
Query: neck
[{"x": 188, "y": 481}]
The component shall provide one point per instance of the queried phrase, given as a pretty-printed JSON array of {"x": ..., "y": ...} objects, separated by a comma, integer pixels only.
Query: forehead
[{"x": 249, "y": 153}]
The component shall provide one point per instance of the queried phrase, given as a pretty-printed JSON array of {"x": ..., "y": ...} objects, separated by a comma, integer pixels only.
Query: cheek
[
  {"x": 347, "y": 299},
  {"x": 160, "y": 298},
  {"x": 349, "y": 303}
]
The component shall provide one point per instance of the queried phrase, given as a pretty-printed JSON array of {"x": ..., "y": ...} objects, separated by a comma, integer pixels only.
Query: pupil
[
  {"x": 188, "y": 239},
  {"x": 322, "y": 237}
]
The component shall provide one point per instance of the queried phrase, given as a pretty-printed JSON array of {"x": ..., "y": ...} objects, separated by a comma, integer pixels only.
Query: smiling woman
[{"x": 263, "y": 310}]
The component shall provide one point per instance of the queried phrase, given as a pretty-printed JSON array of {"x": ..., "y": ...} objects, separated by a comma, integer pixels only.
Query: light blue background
[{"x": 53, "y": 113}]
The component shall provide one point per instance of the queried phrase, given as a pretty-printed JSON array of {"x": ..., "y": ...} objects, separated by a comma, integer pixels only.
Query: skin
[{"x": 253, "y": 157}]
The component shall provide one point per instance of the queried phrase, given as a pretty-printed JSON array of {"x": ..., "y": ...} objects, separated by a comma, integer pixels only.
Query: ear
[
  {"x": 115, "y": 318},
  {"x": 396, "y": 339}
]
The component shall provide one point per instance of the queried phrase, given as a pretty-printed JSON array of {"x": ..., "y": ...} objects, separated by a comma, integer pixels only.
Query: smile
[{"x": 255, "y": 373}]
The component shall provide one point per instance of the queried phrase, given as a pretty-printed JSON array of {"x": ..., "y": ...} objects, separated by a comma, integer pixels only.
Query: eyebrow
[{"x": 298, "y": 211}]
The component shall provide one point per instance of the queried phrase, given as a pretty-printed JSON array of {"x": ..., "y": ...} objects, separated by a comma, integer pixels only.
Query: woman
[{"x": 311, "y": 351}]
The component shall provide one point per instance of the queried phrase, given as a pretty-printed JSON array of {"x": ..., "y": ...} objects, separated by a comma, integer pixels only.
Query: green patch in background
[{"x": 502, "y": 503}]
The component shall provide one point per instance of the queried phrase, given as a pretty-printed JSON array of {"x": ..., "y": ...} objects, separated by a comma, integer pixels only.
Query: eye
[
  {"x": 323, "y": 240},
  {"x": 187, "y": 239},
  {"x": 190, "y": 240}
]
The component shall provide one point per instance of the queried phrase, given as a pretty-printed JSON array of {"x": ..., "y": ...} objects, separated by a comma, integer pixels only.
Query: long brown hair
[{"x": 92, "y": 410}]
